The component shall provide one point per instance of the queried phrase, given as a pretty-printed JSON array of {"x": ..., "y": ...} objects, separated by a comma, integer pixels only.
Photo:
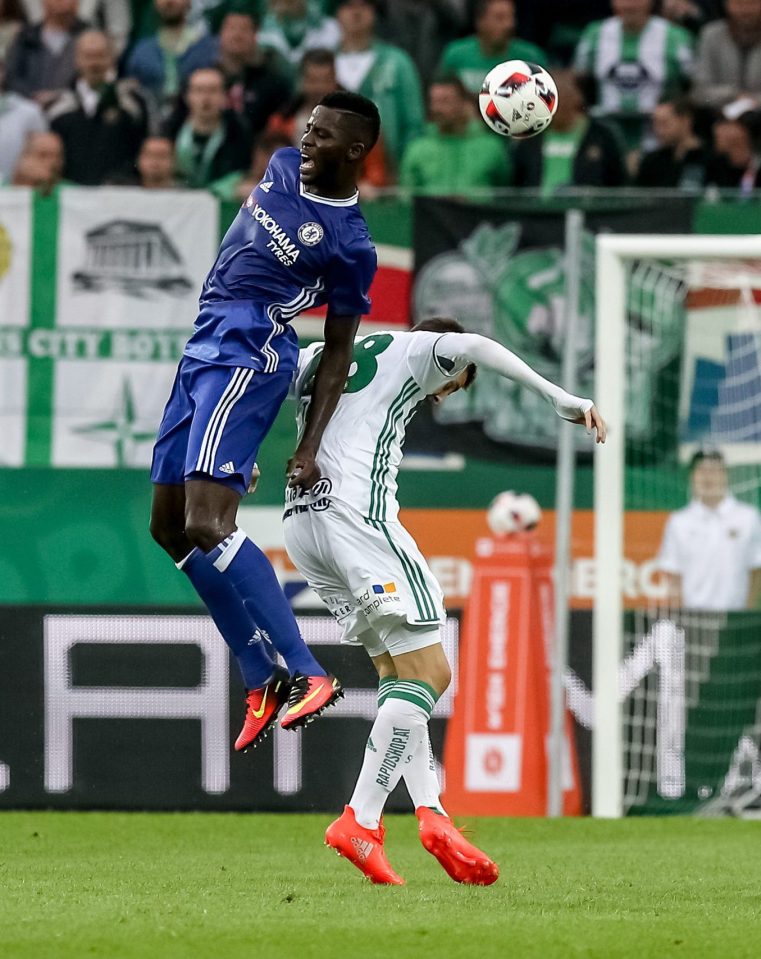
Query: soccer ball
[
  {"x": 518, "y": 99},
  {"x": 512, "y": 513}
]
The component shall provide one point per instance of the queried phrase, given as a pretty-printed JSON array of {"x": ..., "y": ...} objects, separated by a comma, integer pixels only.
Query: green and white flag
[
  {"x": 15, "y": 259},
  {"x": 130, "y": 268}
]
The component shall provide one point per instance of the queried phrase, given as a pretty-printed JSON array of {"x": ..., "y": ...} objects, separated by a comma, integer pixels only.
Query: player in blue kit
[{"x": 299, "y": 241}]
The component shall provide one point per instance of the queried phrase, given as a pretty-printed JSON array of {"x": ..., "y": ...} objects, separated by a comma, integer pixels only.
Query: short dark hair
[
  {"x": 483, "y": 5},
  {"x": 446, "y": 324},
  {"x": 451, "y": 80},
  {"x": 317, "y": 57},
  {"x": 710, "y": 455},
  {"x": 682, "y": 106},
  {"x": 361, "y": 107}
]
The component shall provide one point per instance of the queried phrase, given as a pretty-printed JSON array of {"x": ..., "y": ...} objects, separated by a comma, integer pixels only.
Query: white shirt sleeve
[
  {"x": 754, "y": 545},
  {"x": 430, "y": 369},
  {"x": 668, "y": 558},
  {"x": 460, "y": 349}
]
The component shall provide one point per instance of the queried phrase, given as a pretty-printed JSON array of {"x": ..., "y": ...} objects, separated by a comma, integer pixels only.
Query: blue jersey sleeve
[{"x": 351, "y": 275}]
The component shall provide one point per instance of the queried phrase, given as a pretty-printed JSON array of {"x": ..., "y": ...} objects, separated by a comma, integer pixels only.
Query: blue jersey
[{"x": 286, "y": 251}]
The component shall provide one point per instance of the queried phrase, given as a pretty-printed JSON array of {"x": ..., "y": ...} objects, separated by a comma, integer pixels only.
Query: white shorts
[{"x": 370, "y": 574}]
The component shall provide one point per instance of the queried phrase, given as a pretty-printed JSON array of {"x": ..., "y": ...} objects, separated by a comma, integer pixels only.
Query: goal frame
[{"x": 614, "y": 252}]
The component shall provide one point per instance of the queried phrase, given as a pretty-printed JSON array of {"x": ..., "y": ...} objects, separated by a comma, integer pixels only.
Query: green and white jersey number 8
[{"x": 364, "y": 364}]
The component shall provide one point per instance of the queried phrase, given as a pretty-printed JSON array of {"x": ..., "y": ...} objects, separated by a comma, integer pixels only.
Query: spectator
[
  {"x": 736, "y": 163},
  {"x": 457, "y": 153},
  {"x": 691, "y": 14},
  {"x": 212, "y": 141},
  {"x": 40, "y": 61},
  {"x": 317, "y": 78},
  {"x": 383, "y": 73},
  {"x": 41, "y": 163},
  {"x": 421, "y": 28},
  {"x": 236, "y": 187},
  {"x": 575, "y": 151},
  {"x": 294, "y": 26},
  {"x": 18, "y": 118},
  {"x": 680, "y": 159},
  {"x": 155, "y": 164},
  {"x": 633, "y": 60},
  {"x": 711, "y": 549},
  {"x": 113, "y": 17},
  {"x": 256, "y": 83},
  {"x": 11, "y": 20},
  {"x": 493, "y": 42},
  {"x": 162, "y": 63},
  {"x": 556, "y": 25},
  {"x": 102, "y": 121},
  {"x": 728, "y": 64}
]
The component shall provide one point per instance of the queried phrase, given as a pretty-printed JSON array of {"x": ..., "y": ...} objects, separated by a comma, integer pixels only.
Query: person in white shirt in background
[{"x": 711, "y": 549}]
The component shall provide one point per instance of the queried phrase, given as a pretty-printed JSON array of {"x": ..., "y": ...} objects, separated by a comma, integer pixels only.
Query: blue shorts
[{"x": 215, "y": 421}]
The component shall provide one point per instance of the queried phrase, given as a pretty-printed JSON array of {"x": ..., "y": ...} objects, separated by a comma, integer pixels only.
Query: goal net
[{"x": 677, "y": 657}]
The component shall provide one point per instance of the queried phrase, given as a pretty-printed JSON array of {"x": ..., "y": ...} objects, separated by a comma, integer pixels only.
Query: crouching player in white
[{"x": 344, "y": 536}]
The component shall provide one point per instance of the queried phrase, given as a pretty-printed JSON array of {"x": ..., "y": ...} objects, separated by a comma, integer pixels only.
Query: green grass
[{"x": 171, "y": 886}]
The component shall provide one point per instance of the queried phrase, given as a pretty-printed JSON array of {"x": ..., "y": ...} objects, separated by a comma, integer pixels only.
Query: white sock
[
  {"x": 420, "y": 777},
  {"x": 419, "y": 771},
  {"x": 398, "y": 731}
]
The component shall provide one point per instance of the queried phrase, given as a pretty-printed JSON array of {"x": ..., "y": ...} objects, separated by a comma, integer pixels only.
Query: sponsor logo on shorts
[
  {"x": 227, "y": 467},
  {"x": 377, "y": 596},
  {"x": 310, "y": 233}
]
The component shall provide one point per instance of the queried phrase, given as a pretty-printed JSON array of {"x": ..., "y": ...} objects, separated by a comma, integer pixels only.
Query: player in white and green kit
[{"x": 345, "y": 538}]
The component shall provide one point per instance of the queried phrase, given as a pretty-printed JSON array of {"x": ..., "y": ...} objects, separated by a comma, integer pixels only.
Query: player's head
[
  {"x": 447, "y": 324},
  {"x": 340, "y": 132},
  {"x": 708, "y": 475}
]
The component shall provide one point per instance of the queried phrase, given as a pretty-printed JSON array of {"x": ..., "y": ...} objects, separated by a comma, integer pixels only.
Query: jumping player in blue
[{"x": 298, "y": 241}]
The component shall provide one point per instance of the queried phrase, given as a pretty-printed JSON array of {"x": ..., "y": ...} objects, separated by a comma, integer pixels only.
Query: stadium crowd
[{"x": 199, "y": 93}]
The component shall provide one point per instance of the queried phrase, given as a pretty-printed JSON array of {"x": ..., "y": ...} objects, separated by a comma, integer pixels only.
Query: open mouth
[{"x": 307, "y": 163}]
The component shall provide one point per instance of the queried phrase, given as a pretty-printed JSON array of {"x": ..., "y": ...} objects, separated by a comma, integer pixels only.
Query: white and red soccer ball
[
  {"x": 518, "y": 99},
  {"x": 511, "y": 512}
]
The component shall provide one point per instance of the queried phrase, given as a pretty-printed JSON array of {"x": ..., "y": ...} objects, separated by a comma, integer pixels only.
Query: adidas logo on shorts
[{"x": 227, "y": 467}]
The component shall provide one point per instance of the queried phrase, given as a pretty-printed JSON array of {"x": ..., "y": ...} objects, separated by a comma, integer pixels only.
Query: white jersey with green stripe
[
  {"x": 635, "y": 70},
  {"x": 361, "y": 448}
]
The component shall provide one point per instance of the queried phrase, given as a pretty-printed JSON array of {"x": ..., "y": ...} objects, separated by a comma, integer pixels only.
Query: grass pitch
[{"x": 192, "y": 886}]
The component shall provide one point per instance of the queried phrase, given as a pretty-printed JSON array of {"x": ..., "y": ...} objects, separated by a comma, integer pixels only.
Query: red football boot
[
  {"x": 309, "y": 696},
  {"x": 363, "y": 847},
  {"x": 262, "y": 707},
  {"x": 460, "y": 859}
]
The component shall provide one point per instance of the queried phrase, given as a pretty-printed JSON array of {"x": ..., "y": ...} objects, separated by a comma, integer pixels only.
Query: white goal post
[{"x": 614, "y": 253}]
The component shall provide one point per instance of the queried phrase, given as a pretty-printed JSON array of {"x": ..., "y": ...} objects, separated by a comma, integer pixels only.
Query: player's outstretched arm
[
  {"x": 329, "y": 381},
  {"x": 486, "y": 353}
]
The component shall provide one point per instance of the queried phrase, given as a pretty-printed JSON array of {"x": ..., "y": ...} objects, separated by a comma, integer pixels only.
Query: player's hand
[
  {"x": 254, "y": 481},
  {"x": 592, "y": 420},
  {"x": 302, "y": 471}
]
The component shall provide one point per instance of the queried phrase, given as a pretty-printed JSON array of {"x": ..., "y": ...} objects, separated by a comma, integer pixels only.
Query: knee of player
[
  {"x": 205, "y": 532},
  {"x": 163, "y": 533}
]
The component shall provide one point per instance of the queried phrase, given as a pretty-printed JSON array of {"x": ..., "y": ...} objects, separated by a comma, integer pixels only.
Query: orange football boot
[
  {"x": 262, "y": 707},
  {"x": 309, "y": 696},
  {"x": 362, "y": 847},
  {"x": 460, "y": 859}
]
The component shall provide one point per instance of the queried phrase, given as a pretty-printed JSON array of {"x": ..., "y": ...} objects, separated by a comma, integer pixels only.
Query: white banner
[
  {"x": 107, "y": 413},
  {"x": 131, "y": 258},
  {"x": 15, "y": 255}
]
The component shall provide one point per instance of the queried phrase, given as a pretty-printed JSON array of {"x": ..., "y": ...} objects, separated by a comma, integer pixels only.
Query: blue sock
[
  {"x": 253, "y": 578},
  {"x": 241, "y": 634}
]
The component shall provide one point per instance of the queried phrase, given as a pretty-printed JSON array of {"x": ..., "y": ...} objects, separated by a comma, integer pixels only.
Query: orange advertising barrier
[{"x": 495, "y": 755}]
